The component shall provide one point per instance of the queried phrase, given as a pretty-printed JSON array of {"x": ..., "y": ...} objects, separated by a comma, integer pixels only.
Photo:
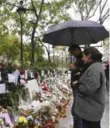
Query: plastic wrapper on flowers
[
  {"x": 55, "y": 98},
  {"x": 39, "y": 102}
]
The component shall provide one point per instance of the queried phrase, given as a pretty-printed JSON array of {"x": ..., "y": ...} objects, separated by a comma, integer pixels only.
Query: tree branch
[
  {"x": 41, "y": 42},
  {"x": 40, "y": 9},
  {"x": 82, "y": 17},
  {"x": 107, "y": 13},
  {"x": 34, "y": 9},
  {"x": 81, "y": 12},
  {"x": 89, "y": 11},
  {"x": 34, "y": 27},
  {"x": 12, "y": 4},
  {"x": 105, "y": 18},
  {"x": 104, "y": 6},
  {"x": 94, "y": 10},
  {"x": 48, "y": 52},
  {"x": 100, "y": 11}
]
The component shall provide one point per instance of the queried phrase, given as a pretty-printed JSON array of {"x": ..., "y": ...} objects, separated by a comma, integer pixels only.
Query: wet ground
[{"x": 68, "y": 121}]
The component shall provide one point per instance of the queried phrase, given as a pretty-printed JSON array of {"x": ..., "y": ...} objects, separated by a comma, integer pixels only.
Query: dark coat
[{"x": 107, "y": 72}]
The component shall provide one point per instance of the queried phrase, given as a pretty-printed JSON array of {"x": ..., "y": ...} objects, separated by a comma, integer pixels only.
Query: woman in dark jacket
[{"x": 90, "y": 97}]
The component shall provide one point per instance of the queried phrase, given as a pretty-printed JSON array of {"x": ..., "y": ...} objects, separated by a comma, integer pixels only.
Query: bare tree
[
  {"x": 88, "y": 8},
  {"x": 103, "y": 14}
]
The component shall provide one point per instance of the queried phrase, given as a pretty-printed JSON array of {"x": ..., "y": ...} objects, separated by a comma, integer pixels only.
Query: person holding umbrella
[
  {"x": 75, "y": 67},
  {"x": 91, "y": 89}
]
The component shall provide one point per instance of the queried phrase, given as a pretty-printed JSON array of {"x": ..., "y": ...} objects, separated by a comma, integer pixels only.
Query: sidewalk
[{"x": 68, "y": 121}]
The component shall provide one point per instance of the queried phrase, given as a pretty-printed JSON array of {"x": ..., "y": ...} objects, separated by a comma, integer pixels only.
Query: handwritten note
[
  {"x": 32, "y": 85},
  {"x": 11, "y": 78},
  {"x": 0, "y": 77},
  {"x": 7, "y": 118},
  {"x": 2, "y": 88}
]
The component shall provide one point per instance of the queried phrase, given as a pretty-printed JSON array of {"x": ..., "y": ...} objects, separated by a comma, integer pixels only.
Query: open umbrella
[{"x": 75, "y": 32}]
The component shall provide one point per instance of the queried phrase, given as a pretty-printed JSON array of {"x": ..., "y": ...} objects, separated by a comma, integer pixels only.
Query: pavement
[{"x": 68, "y": 121}]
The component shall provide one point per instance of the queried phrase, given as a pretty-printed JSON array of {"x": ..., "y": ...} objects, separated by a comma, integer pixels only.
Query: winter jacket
[{"x": 90, "y": 97}]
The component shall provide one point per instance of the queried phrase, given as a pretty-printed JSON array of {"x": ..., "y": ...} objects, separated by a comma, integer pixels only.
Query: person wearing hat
[{"x": 91, "y": 89}]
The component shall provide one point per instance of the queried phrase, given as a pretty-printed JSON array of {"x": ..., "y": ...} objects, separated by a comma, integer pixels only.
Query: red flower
[
  {"x": 22, "y": 72},
  {"x": 48, "y": 124},
  {"x": 35, "y": 74},
  {"x": 44, "y": 86}
]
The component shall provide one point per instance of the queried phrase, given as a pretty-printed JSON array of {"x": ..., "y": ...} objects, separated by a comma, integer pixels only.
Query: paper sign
[
  {"x": 42, "y": 73},
  {"x": 22, "y": 81},
  {"x": 29, "y": 117},
  {"x": 37, "y": 122},
  {"x": 2, "y": 88},
  {"x": 0, "y": 77},
  {"x": 36, "y": 104},
  {"x": 7, "y": 118},
  {"x": 25, "y": 107},
  {"x": 32, "y": 85},
  {"x": 22, "y": 76},
  {"x": 26, "y": 74},
  {"x": 48, "y": 72},
  {"x": 11, "y": 78},
  {"x": 16, "y": 74},
  {"x": 32, "y": 74}
]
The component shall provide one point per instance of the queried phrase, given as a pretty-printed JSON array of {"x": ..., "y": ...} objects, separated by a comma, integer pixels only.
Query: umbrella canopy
[{"x": 75, "y": 32}]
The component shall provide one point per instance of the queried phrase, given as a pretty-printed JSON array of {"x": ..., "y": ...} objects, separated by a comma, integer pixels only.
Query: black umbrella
[{"x": 75, "y": 32}]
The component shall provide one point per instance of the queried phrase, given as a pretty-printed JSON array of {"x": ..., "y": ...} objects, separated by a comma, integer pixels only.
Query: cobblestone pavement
[{"x": 68, "y": 121}]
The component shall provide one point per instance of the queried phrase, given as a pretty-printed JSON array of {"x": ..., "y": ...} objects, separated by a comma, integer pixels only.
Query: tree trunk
[
  {"x": 33, "y": 44},
  {"x": 34, "y": 29},
  {"x": 21, "y": 39},
  {"x": 49, "y": 60}
]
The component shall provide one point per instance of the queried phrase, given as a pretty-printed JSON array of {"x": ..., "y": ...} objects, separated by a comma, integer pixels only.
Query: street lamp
[{"x": 21, "y": 10}]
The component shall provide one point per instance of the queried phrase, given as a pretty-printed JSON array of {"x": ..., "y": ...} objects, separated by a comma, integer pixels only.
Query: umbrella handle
[{"x": 72, "y": 59}]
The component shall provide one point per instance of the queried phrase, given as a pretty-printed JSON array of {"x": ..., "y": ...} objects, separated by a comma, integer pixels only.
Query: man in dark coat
[{"x": 76, "y": 65}]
